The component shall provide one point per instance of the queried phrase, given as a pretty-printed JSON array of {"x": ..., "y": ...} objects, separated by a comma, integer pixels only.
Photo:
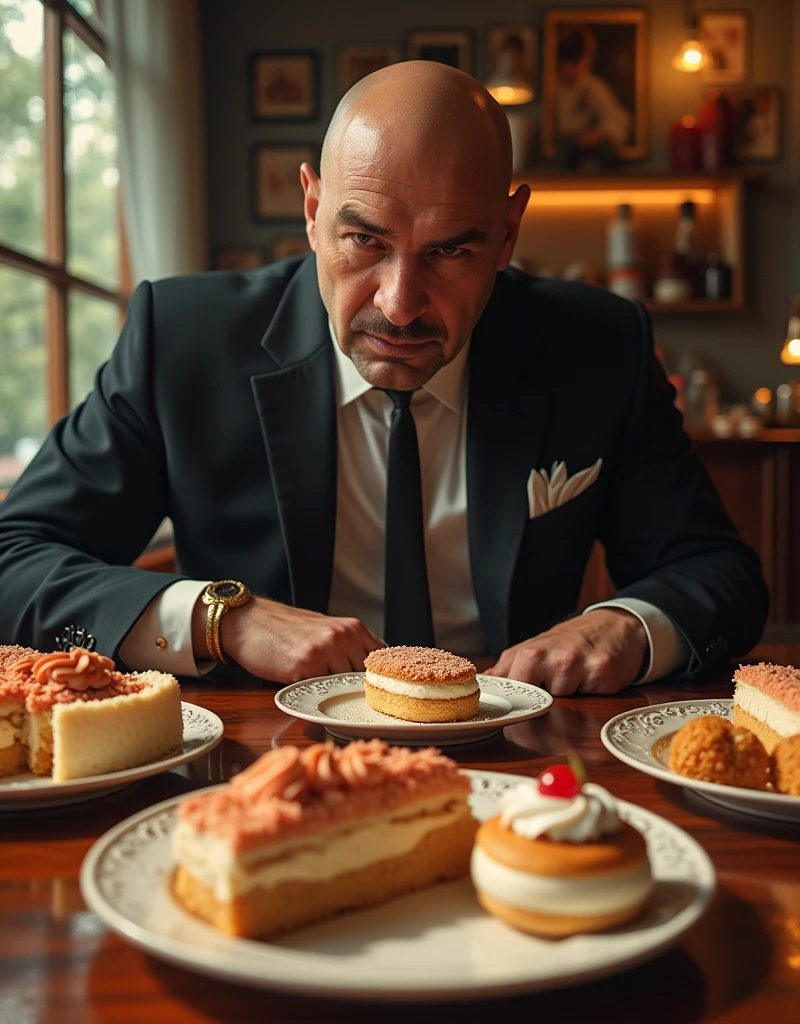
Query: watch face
[{"x": 227, "y": 590}]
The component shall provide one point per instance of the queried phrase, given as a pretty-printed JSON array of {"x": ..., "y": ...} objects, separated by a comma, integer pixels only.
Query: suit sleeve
[
  {"x": 667, "y": 537},
  {"x": 87, "y": 505}
]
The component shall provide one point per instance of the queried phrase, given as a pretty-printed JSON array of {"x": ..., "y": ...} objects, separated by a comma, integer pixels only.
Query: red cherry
[{"x": 560, "y": 780}]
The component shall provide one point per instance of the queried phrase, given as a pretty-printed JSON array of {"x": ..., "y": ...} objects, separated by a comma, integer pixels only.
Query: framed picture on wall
[
  {"x": 727, "y": 36},
  {"x": 594, "y": 96},
  {"x": 447, "y": 46},
  {"x": 276, "y": 190},
  {"x": 759, "y": 129},
  {"x": 285, "y": 246},
  {"x": 283, "y": 86},
  {"x": 359, "y": 60},
  {"x": 238, "y": 257}
]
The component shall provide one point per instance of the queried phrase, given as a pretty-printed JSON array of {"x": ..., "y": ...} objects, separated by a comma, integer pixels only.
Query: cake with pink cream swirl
[
  {"x": 70, "y": 714},
  {"x": 305, "y": 833},
  {"x": 559, "y": 860}
]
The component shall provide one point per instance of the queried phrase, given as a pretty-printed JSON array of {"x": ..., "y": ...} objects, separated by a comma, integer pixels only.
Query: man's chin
[{"x": 394, "y": 374}]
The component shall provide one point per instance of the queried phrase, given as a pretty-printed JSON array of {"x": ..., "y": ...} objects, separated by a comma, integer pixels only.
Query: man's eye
[
  {"x": 450, "y": 250},
  {"x": 362, "y": 239}
]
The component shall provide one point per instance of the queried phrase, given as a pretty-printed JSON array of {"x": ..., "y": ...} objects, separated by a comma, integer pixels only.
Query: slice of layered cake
[
  {"x": 301, "y": 835},
  {"x": 767, "y": 701},
  {"x": 71, "y": 715}
]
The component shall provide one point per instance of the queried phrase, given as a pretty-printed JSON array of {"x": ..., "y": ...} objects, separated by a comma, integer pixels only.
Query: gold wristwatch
[{"x": 219, "y": 597}]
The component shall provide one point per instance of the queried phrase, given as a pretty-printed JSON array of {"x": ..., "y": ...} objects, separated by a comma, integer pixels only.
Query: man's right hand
[{"x": 275, "y": 641}]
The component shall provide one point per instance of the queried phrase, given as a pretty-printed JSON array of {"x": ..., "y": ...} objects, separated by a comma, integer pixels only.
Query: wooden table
[{"x": 741, "y": 962}]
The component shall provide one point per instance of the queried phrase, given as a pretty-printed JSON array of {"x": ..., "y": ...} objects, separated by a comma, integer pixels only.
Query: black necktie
[{"x": 407, "y": 601}]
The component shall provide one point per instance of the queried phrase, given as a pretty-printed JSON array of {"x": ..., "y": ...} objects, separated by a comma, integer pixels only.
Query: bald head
[{"x": 427, "y": 110}]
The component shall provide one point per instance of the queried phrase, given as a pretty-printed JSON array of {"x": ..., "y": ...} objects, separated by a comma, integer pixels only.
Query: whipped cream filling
[
  {"x": 766, "y": 709},
  {"x": 11, "y": 718},
  {"x": 601, "y": 894},
  {"x": 215, "y": 865},
  {"x": 584, "y": 818},
  {"x": 442, "y": 691}
]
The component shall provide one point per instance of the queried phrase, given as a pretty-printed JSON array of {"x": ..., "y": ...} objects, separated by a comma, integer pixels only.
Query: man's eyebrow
[{"x": 352, "y": 219}]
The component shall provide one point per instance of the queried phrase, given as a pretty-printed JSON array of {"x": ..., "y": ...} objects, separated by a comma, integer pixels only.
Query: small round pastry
[
  {"x": 421, "y": 684},
  {"x": 713, "y": 749},
  {"x": 559, "y": 861},
  {"x": 786, "y": 765}
]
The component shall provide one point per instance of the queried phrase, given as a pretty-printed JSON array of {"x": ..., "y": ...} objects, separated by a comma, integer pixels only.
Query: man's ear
[
  {"x": 311, "y": 190},
  {"x": 516, "y": 208}
]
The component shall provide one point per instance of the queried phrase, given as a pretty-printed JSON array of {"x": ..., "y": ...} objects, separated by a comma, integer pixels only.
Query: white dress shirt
[{"x": 363, "y": 422}]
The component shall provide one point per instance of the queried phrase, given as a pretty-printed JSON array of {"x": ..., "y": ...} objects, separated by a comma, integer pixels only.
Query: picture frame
[
  {"x": 285, "y": 246},
  {"x": 358, "y": 60},
  {"x": 452, "y": 46},
  {"x": 276, "y": 192},
  {"x": 727, "y": 36},
  {"x": 284, "y": 85},
  {"x": 238, "y": 257},
  {"x": 525, "y": 49},
  {"x": 595, "y": 57},
  {"x": 759, "y": 122}
]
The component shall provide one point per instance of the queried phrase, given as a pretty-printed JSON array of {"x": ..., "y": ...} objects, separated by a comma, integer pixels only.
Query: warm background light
[
  {"x": 692, "y": 56},
  {"x": 511, "y": 95},
  {"x": 763, "y": 396},
  {"x": 614, "y": 196}
]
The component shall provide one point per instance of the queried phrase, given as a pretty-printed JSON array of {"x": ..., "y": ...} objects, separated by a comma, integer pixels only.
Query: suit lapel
[
  {"x": 296, "y": 404},
  {"x": 506, "y": 421}
]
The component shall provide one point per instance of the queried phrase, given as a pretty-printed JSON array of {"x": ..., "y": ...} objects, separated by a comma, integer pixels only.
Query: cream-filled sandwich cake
[
  {"x": 558, "y": 860},
  {"x": 766, "y": 701},
  {"x": 421, "y": 684},
  {"x": 71, "y": 715},
  {"x": 301, "y": 835}
]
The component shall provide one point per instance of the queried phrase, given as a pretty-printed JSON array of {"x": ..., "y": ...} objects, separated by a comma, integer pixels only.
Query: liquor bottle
[{"x": 622, "y": 255}]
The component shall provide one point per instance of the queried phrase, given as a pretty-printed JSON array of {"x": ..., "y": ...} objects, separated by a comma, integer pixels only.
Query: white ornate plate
[
  {"x": 338, "y": 704},
  {"x": 433, "y": 945},
  {"x": 202, "y": 731},
  {"x": 641, "y": 739}
]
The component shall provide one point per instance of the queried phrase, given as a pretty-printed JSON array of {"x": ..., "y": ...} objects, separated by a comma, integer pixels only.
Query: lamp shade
[
  {"x": 692, "y": 56},
  {"x": 508, "y": 83}
]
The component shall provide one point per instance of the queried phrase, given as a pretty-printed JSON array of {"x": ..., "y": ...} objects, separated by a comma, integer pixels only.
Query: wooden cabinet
[{"x": 759, "y": 482}]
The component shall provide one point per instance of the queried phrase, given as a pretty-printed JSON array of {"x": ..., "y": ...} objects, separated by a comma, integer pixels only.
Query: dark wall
[{"x": 742, "y": 347}]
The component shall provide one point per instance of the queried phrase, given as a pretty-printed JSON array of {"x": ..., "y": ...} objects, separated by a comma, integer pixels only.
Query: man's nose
[{"x": 401, "y": 294}]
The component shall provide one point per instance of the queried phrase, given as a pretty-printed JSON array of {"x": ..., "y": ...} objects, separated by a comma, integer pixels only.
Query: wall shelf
[{"x": 567, "y": 215}]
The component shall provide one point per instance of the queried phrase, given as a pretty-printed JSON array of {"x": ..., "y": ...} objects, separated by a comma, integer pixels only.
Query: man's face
[{"x": 407, "y": 246}]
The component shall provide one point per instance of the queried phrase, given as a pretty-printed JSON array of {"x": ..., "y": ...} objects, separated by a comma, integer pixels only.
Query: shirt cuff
[
  {"x": 161, "y": 638},
  {"x": 668, "y": 649}
]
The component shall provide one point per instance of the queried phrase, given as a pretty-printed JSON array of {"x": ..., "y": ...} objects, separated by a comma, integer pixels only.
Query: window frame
[{"x": 59, "y": 17}]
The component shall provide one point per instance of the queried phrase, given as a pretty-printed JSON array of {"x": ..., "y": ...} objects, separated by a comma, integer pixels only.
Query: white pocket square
[{"x": 547, "y": 491}]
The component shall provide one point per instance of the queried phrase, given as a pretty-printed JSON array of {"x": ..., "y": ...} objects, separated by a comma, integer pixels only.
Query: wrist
[{"x": 220, "y": 599}]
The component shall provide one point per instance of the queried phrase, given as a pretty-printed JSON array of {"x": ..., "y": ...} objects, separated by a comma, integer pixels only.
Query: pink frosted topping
[
  {"x": 781, "y": 682},
  {"x": 64, "y": 678},
  {"x": 289, "y": 792}
]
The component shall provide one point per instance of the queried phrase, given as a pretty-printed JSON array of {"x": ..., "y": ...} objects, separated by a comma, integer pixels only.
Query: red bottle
[
  {"x": 685, "y": 144},
  {"x": 718, "y": 129}
]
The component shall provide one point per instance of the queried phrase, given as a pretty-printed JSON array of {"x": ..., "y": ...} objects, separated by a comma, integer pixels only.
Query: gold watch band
[{"x": 213, "y": 618}]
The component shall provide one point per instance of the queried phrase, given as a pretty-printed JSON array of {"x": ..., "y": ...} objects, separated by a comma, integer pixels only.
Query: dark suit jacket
[{"x": 217, "y": 408}]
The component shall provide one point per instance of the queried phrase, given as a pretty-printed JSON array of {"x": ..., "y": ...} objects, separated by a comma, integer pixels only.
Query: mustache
[{"x": 376, "y": 323}]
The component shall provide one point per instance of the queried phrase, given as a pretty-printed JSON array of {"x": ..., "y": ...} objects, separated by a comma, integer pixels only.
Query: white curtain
[{"x": 155, "y": 55}]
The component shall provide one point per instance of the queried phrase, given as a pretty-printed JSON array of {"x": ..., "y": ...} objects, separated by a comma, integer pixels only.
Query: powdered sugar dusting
[{"x": 781, "y": 682}]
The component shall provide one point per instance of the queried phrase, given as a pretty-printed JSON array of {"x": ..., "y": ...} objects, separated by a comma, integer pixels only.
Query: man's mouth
[{"x": 399, "y": 349}]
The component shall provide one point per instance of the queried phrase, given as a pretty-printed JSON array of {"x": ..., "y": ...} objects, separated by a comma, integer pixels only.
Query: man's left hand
[{"x": 600, "y": 652}]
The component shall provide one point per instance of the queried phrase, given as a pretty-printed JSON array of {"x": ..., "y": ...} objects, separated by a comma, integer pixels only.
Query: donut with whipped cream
[
  {"x": 558, "y": 860},
  {"x": 421, "y": 684}
]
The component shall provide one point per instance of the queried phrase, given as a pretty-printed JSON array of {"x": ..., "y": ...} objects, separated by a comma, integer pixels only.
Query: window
[{"x": 64, "y": 281}]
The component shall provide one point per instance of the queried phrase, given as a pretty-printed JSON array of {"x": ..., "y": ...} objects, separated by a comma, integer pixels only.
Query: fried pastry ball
[
  {"x": 786, "y": 765},
  {"x": 714, "y": 750}
]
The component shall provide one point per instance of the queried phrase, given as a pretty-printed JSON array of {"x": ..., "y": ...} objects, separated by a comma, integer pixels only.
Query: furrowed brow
[
  {"x": 470, "y": 236},
  {"x": 352, "y": 219}
]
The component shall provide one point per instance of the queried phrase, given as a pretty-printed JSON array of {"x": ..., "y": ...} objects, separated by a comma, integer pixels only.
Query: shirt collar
[{"x": 448, "y": 385}]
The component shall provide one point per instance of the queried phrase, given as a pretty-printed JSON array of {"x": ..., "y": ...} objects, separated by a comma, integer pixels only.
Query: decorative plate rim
[
  {"x": 44, "y": 789},
  {"x": 318, "y": 973},
  {"x": 730, "y": 795},
  {"x": 544, "y": 701}
]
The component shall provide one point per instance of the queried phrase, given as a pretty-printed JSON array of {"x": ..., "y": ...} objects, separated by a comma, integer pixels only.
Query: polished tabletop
[{"x": 740, "y": 962}]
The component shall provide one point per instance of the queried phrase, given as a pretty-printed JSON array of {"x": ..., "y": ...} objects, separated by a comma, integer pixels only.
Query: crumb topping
[
  {"x": 781, "y": 682},
  {"x": 419, "y": 665},
  {"x": 713, "y": 749},
  {"x": 289, "y": 792}
]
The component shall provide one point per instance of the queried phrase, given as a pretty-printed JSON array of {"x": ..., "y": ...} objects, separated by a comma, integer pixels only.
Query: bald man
[{"x": 254, "y": 410}]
